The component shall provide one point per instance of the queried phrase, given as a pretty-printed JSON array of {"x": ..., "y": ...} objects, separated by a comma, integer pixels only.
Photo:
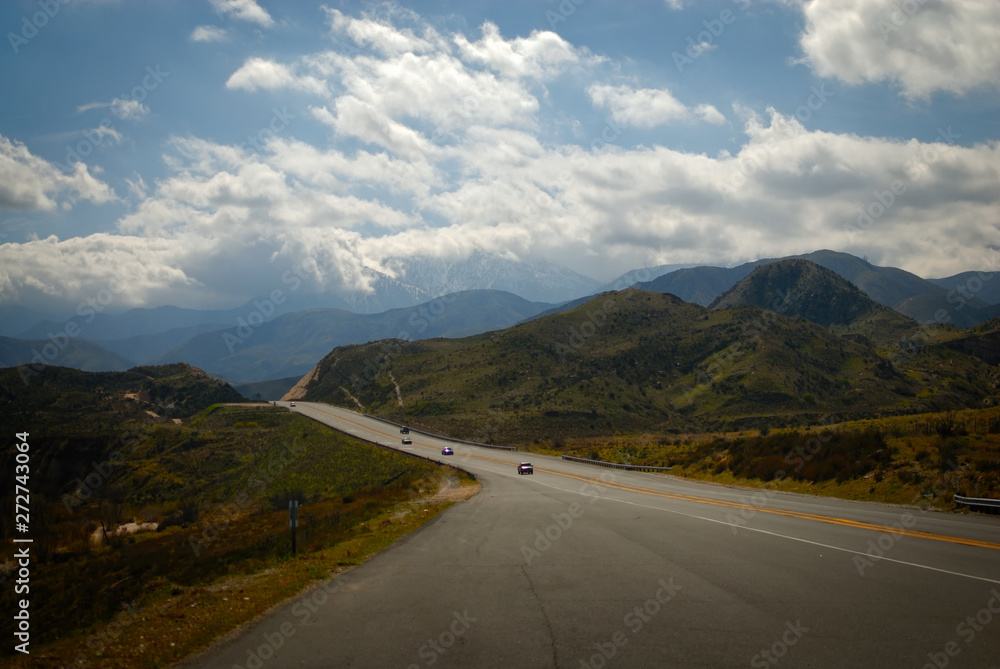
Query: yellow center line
[{"x": 833, "y": 520}]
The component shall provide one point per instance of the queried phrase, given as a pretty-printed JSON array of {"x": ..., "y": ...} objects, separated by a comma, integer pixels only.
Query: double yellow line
[{"x": 833, "y": 520}]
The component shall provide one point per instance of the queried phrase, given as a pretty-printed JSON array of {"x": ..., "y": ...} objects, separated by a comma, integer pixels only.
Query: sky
[{"x": 190, "y": 152}]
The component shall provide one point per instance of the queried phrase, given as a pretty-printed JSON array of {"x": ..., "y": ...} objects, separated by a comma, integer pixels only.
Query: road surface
[{"x": 583, "y": 567}]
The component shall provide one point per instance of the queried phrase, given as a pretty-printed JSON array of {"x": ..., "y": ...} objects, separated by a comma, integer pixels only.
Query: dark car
[
  {"x": 404, "y": 430},
  {"x": 525, "y": 468},
  {"x": 447, "y": 451}
]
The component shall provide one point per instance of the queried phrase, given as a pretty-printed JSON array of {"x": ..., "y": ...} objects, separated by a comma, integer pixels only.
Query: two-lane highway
[{"x": 578, "y": 566}]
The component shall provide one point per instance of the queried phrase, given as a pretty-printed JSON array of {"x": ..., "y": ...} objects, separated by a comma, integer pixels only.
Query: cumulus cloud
[
  {"x": 208, "y": 34},
  {"x": 922, "y": 46},
  {"x": 540, "y": 55},
  {"x": 127, "y": 109},
  {"x": 436, "y": 148},
  {"x": 28, "y": 182},
  {"x": 647, "y": 107},
  {"x": 243, "y": 10},
  {"x": 260, "y": 73}
]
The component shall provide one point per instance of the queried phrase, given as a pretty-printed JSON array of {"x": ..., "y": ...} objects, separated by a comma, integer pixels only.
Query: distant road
[{"x": 579, "y": 567}]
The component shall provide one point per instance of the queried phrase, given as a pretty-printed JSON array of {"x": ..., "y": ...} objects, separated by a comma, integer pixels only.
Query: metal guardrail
[
  {"x": 441, "y": 436},
  {"x": 984, "y": 503},
  {"x": 615, "y": 465}
]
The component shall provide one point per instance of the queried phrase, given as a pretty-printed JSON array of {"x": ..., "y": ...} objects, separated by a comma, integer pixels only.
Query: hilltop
[{"x": 632, "y": 361}]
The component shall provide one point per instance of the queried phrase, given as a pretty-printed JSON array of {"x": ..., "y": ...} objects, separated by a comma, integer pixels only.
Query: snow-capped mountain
[{"x": 534, "y": 280}]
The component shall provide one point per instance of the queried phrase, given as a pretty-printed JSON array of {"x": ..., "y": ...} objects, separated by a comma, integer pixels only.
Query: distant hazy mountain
[
  {"x": 291, "y": 344},
  {"x": 907, "y": 293},
  {"x": 144, "y": 349},
  {"x": 534, "y": 280},
  {"x": 984, "y": 286},
  {"x": 268, "y": 390},
  {"x": 635, "y": 361},
  {"x": 16, "y": 318},
  {"x": 803, "y": 289},
  {"x": 699, "y": 285},
  {"x": 98, "y": 326},
  {"x": 800, "y": 288},
  {"x": 641, "y": 275},
  {"x": 62, "y": 351}
]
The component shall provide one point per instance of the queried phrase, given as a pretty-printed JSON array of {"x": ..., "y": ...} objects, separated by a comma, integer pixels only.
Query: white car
[{"x": 407, "y": 440}]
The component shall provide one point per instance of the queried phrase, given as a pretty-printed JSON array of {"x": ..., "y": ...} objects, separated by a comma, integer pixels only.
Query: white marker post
[{"x": 293, "y": 519}]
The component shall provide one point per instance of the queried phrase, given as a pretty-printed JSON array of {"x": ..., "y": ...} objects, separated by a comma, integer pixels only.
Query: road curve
[{"x": 583, "y": 567}]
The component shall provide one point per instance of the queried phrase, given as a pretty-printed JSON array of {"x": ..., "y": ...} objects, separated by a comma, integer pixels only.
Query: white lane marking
[
  {"x": 758, "y": 530},
  {"x": 783, "y": 536}
]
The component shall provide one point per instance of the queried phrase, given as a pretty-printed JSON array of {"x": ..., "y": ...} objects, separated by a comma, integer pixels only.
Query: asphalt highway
[{"x": 582, "y": 567}]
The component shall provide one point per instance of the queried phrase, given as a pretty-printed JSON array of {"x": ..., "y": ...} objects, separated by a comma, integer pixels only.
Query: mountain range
[
  {"x": 792, "y": 343},
  {"x": 265, "y": 339},
  {"x": 946, "y": 300}
]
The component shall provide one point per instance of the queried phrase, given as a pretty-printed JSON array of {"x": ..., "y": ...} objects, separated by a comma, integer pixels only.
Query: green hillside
[
  {"x": 291, "y": 344},
  {"x": 152, "y": 445},
  {"x": 60, "y": 350},
  {"x": 638, "y": 361}
]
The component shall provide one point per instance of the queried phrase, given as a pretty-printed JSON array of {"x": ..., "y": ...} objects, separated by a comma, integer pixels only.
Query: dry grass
[{"x": 178, "y": 621}]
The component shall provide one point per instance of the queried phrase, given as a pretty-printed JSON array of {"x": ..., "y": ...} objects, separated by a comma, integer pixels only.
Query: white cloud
[
  {"x": 208, "y": 34},
  {"x": 381, "y": 35},
  {"x": 439, "y": 147},
  {"x": 243, "y": 10},
  {"x": 647, "y": 107},
  {"x": 709, "y": 114},
  {"x": 128, "y": 109},
  {"x": 259, "y": 73},
  {"x": 29, "y": 182},
  {"x": 923, "y": 46},
  {"x": 540, "y": 55}
]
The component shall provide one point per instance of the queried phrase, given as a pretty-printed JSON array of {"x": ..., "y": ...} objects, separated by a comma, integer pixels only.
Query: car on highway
[
  {"x": 404, "y": 430},
  {"x": 407, "y": 440},
  {"x": 447, "y": 451},
  {"x": 525, "y": 468},
  {"x": 291, "y": 404}
]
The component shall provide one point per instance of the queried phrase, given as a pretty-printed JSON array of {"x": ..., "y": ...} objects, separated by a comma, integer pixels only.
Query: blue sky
[{"x": 195, "y": 150}]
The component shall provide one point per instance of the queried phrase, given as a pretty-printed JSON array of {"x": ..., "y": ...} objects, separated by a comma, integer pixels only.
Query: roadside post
[{"x": 293, "y": 519}]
